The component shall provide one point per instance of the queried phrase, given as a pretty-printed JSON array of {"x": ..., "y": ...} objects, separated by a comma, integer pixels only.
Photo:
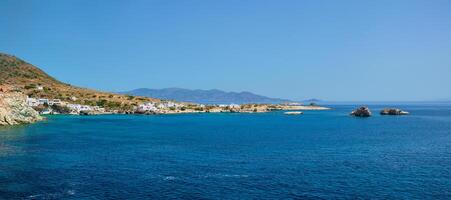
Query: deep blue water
[{"x": 321, "y": 154}]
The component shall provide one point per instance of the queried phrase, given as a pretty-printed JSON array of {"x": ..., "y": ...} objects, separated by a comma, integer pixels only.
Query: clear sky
[{"x": 332, "y": 50}]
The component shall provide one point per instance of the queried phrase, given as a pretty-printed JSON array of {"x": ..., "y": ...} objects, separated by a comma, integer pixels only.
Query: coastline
[
  {"x": 314, "y": 107},
  {"x": 16, "y": 108}
]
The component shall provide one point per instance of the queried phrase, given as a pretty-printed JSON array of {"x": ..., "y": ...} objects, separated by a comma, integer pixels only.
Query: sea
[{"x": 317, "y": 155}]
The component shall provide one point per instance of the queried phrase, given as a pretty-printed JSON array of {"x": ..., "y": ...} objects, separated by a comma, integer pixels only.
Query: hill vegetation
[{"x": 18, "y": 75}]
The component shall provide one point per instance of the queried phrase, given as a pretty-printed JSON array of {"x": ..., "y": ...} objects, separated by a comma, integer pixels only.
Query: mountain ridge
[{"x": 210, "y": 96}]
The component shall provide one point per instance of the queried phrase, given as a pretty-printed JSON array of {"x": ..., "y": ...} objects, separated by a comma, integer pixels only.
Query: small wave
[
  {"x": 71, "y": 192},
  {"x": 226, "y": 176},
  {"x": 34, "y": 196},
  {"x": 169, "y": 178},
  {"x": 236, "y": 175},
  {"x": 52, "y": 195}
]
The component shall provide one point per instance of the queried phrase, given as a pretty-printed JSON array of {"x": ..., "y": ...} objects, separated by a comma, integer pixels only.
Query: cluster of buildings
[
  {"x": 74, "y": 108},
  {"x": 77, "y": 108},
  {"x": 33, "y": 102},
  {"x": 230, "y": 106},
  {"x": 155, "y": 107},
  {"x": 172, "y": 107}
]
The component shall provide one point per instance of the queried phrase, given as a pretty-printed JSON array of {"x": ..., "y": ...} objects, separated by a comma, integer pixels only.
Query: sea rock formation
[
  {"x": 361, "y": 112},
  {"x": 393, "y": 111},
  {"x": 14, "y": 110}
]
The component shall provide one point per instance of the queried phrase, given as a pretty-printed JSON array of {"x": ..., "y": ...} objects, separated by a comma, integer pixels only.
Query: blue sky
[{"x": 333, "y": 50}]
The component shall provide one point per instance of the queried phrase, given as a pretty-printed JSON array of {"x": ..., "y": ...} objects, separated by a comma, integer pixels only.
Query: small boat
[
  {"x": 45, "y": 112},
  {"x": 293, "y": 113}
]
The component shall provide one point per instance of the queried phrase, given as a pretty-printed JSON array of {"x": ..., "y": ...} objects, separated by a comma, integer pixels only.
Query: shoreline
[{"x": 305, "y": 108}]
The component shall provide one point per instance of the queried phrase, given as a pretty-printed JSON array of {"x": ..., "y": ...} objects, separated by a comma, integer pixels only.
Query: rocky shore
[{"x": 14, "y": 110}]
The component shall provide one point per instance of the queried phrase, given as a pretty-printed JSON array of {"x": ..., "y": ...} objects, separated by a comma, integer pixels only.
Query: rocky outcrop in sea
[
  {"x": 393, "y": 111},
  {"x": 14, "y": 110},
  {"x": 361, "y": 112}
]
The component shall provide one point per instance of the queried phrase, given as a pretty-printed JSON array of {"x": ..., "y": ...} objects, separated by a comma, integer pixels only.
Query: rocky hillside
[
  {"x": 14, "y": 110},
  {"x": 19, "y": 76}
]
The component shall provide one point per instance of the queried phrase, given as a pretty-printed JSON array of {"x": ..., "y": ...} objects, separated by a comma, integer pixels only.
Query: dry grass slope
[{"x": 18, "y": 75}]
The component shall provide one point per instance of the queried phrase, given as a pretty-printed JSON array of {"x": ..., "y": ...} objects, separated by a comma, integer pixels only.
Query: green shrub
[
  {"x": 31, "y": 86},
  {"x": 102, "y": 102}
]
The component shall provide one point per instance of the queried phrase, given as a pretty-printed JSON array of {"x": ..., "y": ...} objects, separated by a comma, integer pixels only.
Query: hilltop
[
  {"x": 205, "y": 96},
  {"x": 20, "y": 76}
]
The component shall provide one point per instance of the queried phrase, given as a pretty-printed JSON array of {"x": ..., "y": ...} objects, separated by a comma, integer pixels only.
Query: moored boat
[{"x": 293, "y": 113}]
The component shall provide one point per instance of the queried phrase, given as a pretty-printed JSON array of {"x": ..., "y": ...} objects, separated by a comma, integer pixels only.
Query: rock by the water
[
  {"x": 14, "y": 110},
  {"x": 86, "y": 112},
  {"x": 89, "y": 112},
  {"x": 361, "y": 112},
  {"x": 393, "y": 111}
]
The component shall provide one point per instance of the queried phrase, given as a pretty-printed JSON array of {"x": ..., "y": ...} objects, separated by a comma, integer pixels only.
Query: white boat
[
  {"x": 293, "y": 113},
  {"x": 45, "y": 112}
]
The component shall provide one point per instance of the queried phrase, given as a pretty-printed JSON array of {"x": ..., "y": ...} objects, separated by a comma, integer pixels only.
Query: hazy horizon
[
  {"x": 323, "y": 100},
  {"x": 334, "y": 51}
]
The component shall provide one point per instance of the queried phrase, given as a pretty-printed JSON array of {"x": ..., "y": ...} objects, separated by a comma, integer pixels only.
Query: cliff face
[{"x": 14, "y": 110}]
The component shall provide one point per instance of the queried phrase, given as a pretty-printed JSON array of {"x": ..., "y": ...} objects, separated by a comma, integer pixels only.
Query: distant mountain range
[
  {"x": 312, "y": 100},
  {"x": 204, "y": 96}
]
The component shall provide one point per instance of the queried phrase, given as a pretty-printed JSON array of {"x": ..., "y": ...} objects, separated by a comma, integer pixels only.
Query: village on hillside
[
  {"x": 47, "y": 95},
  {"x": 39, "y": 101}
]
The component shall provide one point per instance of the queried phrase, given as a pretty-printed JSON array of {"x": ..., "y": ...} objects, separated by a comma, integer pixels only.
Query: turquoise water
[{"x": 321, "y": 154}]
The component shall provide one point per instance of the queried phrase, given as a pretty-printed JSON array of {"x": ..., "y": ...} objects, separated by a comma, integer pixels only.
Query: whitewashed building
[
  {"x": 55, "y": 102},
  {"x": 98, "y": 108},
  {"x": 147, "y": 107},
  {"x": 43, "y": 101},
  {"x": 32, "y": 102},
  {"x": 78, "y": 107},
  {"x": 85, "y": 108},
  {"x": 168, "y": 104}
]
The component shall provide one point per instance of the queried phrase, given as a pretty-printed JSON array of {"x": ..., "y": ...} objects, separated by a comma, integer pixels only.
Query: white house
[
  {"x": 165, "y": 105},
  {"x": 55, "y": 102},
  {"x": 98, "y": 108},
  {"x": 147, "y": 107},
  {"x": 170, "y": 104},
  {"x": 234, "y": 106},
  {"x": 78, "y": 107},
  {"x": 85, "y": 108},
  {"x": 32, "y": 102},
  {"x": 43, "y": 101},
  {"x": 75, "y": 107}
]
